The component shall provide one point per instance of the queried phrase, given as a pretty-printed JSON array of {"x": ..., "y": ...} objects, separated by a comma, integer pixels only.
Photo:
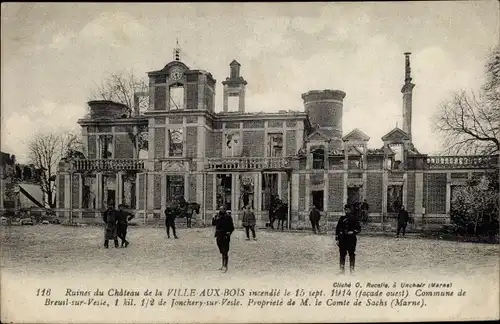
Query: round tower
[{"x": 325, "y": 108}]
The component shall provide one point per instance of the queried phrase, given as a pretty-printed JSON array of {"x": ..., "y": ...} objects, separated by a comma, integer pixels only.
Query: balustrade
[
  {"x": 247, "y": 163},
  {"x": 462, "y": 162},
  {"x": 108, "y": 164}
]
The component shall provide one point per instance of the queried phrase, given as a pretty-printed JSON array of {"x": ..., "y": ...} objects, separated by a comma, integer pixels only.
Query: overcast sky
[{"x": 53, "y": 53}]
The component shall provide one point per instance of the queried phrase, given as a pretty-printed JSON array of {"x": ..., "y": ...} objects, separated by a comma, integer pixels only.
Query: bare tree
[
  {"x": 46, "y": 150},
  {"x": 470, "y": 123},
  {"x": 121, "y": 87}
]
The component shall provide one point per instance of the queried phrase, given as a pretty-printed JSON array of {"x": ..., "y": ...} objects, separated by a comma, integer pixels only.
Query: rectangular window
[
  {"x": 318, "y": 156},
  {"x": 224, "y": 188},
  {"x": 275, "y": 144},
  {"x": 317, "y": 198},
  {"x": 177, "y": 97},
  {"x": 176, "y": 141},
  {"x": 106, "y": 146}
]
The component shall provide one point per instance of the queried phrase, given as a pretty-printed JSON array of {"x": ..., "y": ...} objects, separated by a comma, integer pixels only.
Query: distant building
[
  {"x": 182, "y": 146},
  {"x": 19, "y": 184}
]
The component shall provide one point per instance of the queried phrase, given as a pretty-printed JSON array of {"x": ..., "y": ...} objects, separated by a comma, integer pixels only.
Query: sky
[{"x": 52, "y": 55}]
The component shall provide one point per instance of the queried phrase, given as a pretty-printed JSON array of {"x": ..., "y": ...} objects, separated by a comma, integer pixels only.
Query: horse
[
  {"x": 280, "y": 213},
  {"x": 191, "y": 206}
]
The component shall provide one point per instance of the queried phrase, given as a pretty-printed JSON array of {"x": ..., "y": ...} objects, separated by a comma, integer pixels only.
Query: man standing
[
  {"x": 364, "y": 211},
  {"x": 345, "y": 235},
  {"x": 403, "y": 218},
  {"x": 249, "y": 222},
  {"x": 224, "y": 227},
  {"x": 314, "y": 217},
  {"x": 110, "y": 225},
  {"x": 170, "y": 214},
  {"x": 122, "y": 225}
]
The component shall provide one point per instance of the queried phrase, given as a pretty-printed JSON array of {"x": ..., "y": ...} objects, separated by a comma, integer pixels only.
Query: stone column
[
  {"x": 151, "y": 139},
  {"x": 67, "y": 193},
  {"x": 98, "y": 192}
]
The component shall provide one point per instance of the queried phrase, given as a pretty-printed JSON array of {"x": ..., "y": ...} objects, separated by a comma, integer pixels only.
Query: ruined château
[{"x": 183, "y": 145}]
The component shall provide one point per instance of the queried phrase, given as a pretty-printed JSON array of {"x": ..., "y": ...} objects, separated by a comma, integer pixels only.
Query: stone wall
[
  {"x": 374, "y": 191},
  {"x": 124, "y": 146},
  {"x": 335, "y": 192},
  {"x": 253, "y": 142},
  {"x": 191, "y": 141},
  {"x": 159, "y": 145}
]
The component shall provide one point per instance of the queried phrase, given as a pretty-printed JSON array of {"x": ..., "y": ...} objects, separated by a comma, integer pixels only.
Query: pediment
[
  {"x": 318, "y": 135},
  {"x": 356, "y": 135},
  {"x": 173, "y": 166},
  {"x": 396, "y": 135}
]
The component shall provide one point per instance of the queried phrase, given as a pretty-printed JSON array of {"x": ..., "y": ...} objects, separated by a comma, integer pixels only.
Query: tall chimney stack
[{"x": 407, "y": 92}]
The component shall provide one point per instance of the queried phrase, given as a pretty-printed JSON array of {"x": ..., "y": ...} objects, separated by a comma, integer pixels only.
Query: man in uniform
[
  {"x": 170, "y": 214},
  {"x": 224, "y": 227},
  {"x": 314, "y": 217},
  {"x": 403, "y": 218},
  {"x": 345, "y": 235},
  {"x": 121, "y": 227},
  {"x": 110, "y": 225}
]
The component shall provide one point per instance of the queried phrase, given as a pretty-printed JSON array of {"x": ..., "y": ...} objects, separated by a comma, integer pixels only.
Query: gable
[
  {"x": 317, "y": 136},
  {"x": 356, "y": 135},
  {"x": 396, "y": 134}
]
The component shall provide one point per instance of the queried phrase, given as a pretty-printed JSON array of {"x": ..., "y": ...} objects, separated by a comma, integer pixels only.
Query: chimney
[{"x": 407, "y": 91}]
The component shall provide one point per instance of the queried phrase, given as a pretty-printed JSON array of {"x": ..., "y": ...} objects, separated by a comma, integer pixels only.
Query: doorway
[
  {"x": 353, "y": 195},
  {"x": 317, "y": 197}
]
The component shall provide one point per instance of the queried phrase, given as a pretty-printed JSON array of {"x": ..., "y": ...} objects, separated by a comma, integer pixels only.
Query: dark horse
[
  {"x": 191, "y": 206},
  {"x": 280, "y": 214}
]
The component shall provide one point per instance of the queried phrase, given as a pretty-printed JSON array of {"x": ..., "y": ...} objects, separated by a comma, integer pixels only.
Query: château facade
[{"x": 182, "y": 146}]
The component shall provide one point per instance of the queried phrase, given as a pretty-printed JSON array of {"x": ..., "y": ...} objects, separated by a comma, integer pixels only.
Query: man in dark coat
[
  {"x": 110, "y": 225},
  {"x": 314, "y": 217},
  {"x": 170, "y": 214},
  {"x": 345, "y": 235},
  {"x": 122, "y": 225},
  {"x": 403, "y": 218},
  {"x": 224, "y": 227}
]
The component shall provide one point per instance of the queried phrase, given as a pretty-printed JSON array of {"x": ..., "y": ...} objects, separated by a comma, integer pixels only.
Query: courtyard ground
[
  {"x": 52, "y": 249},
  {"x": 61, "y": 257}
]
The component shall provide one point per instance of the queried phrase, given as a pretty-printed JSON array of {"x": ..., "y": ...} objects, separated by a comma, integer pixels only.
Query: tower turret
[
  {"x": 325, "y": 109},
  {"x": 407, "y": 91}
]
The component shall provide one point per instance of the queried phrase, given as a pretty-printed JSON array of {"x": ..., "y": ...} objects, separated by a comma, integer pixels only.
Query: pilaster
[
  {"x": 67, "y": 191},
  {"x": 80, "y": 192},
  {"x": 385, "y": 182},
  {"x": 258, "y": 191},
  {"x": 186, "y": 186},
  {"x": 448, "y": 193},
  {"x": 163, "y": 191},
  {"x": 150, "y": 192},
  {"x": 98, "y": 191},
  {"x": 151, "y": 139},
  {"x": 295, "y": 193},
  {"x": 236, "y": 200},
  {"x": 405, "y": 190},
  {"x": 308, "y": 191},
  {"x": 325, "y": 193},
  {"x": 119, "y": 189}
]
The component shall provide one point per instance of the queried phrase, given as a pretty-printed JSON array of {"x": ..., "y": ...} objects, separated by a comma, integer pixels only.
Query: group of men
[
  {"x": 116, "y": 224},
  {"x": 346, "y": 231}
]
